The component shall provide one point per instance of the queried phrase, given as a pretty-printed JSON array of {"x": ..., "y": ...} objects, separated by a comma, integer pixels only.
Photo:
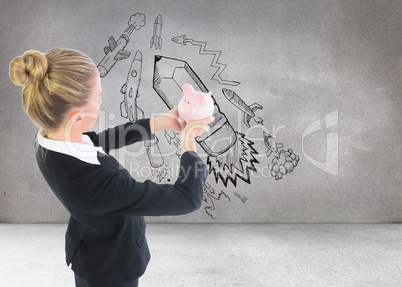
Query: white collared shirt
[{"x": 85, "y": 151}]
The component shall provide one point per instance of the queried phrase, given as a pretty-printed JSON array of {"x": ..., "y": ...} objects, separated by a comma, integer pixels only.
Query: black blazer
[{"x": 105, "y": 238}]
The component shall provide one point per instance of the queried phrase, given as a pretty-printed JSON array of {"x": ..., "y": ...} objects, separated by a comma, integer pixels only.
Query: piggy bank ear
[
  {"x": 187, "y": 88},
  {"x": 204, "y": 98}
]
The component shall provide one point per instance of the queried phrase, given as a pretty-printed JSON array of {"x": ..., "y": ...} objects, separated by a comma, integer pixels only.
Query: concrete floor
[{"x": 224, "y": 255}]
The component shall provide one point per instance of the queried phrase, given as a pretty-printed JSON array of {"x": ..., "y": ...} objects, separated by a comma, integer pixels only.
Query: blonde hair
[{"x": 52, "y": 83}]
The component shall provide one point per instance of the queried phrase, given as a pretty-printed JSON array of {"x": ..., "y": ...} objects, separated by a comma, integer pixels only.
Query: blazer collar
[{"x": 86, "y": 151}]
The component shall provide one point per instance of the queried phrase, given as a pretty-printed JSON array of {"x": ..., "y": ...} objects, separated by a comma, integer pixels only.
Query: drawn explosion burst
[{"x": 237, "y": 162}]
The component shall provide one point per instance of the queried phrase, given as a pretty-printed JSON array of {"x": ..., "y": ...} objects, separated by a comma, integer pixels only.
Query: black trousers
[{"x": 79, "y": 282}]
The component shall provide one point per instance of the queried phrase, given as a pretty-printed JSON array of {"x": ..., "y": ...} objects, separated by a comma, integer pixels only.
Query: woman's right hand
[{"x": 192, "y": 130}]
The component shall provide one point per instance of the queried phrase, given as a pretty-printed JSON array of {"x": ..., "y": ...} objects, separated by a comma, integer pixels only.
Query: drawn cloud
[{"x": 137, "y": 21}]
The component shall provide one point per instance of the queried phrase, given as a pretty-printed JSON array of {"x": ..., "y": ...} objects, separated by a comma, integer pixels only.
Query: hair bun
[{"x": 29, "y": 68}]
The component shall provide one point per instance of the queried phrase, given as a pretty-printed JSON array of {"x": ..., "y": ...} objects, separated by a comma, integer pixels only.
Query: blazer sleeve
[
  {"x": 116, "y": 192},
  {"x": 122, "y": 135}
]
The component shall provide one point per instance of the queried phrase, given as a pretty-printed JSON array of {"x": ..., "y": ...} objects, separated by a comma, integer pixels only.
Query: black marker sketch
[
  {"x": 130, "y": 109},
  {"x": 236, "y": 163},
  {"x": 156, "y": 39},
  {"x": 173, "y": 139},
  {"x": 209, "y": 197},
  {"x": 169, "y": 76},
  {"x": 242, "y": 198},
  {"x": 284, "y": 164},
  {"x": 136, "y": 22},
  {"x": 221, "y": 67},
  {"x": 259, "y": 121},
  {"x": 272, "y": 145},
  {"x": 248, "y": 111},
  {"x": 154, "y": 153},
  {"x": 115, "y": 50},
  {"x": 283, "y": 161},
  {"x": 231, "y": 155},
  {"x": 161, "y": 173}
]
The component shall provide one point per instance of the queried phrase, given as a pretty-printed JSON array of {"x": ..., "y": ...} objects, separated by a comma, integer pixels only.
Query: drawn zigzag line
[{"x": 221, "y": 67}]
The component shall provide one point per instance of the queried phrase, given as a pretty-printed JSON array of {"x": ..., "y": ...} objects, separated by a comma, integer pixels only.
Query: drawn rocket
[
  {"x": 114, "y": 52},
  {"x": 156, "y": 39},
  {"x": 129, "y": 108},
  {"x": 180, "y": 40},
  {"x": 272, "y": 145},
  {"x": 169, "y": 76},
  {"x": 241, "y": 105}
]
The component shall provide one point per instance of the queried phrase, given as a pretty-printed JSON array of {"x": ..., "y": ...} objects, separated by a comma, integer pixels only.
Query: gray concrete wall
[{"x": 324, "y": 75}]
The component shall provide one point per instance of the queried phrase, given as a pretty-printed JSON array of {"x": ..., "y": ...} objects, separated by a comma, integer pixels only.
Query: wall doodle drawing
[
  {"x": 129, "y": 107},
  {"x": 283, "y": 162},
  {"x": 248, "y": 111},
  {"x": 161, "y": 174},
  {"x": 203, "y": 51},
  {"x": 307, "y": 102},
  {"x": 115, "y": 50},
  {"x": 172, "y": 139},
  {"x": 156, "y": 39},
  {"x": 242, "y": 198},
  {"x": 136, "y": 22},
  {"x": 169, "y": 76},
  {"x": 209, "y": 198},
  {"x": 236, "y": 163},
  {"x": 231, "y": 156}
]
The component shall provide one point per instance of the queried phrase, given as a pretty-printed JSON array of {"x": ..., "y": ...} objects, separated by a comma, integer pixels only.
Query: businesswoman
[{"x": 105, "y": 238}]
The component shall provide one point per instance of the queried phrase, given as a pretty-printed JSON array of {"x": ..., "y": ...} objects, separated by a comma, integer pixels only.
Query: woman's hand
[
  {"x": 192, "y": 130},
  {"x": 188, "y": 131},
  {"x": 172, "y": 122},
  {"x": 167, "y": 121}
]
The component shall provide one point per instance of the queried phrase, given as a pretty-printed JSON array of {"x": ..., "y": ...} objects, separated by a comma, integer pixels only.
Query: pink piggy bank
[{"x": 194, "y": 105}]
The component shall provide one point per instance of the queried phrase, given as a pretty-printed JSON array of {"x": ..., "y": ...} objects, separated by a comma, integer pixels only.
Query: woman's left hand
[
  {"x": 168, "y": 121},
  {"x": 172, "y": 122}
]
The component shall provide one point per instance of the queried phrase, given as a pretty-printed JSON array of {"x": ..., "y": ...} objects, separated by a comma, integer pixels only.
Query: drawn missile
[
  {"x": 129, "y": 108},
  {"x": 272, "y": 145},
  {"x": 114, "y": 52},
  {"x": 241, "y": 105},
  {"x": 242, "y": 198},
  {"x": 180, "y": 40},
  {"x": 156, "y": 39}
]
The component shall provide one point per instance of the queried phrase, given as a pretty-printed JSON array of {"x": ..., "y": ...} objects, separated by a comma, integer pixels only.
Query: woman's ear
[{"x": 75, "y": 117}]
